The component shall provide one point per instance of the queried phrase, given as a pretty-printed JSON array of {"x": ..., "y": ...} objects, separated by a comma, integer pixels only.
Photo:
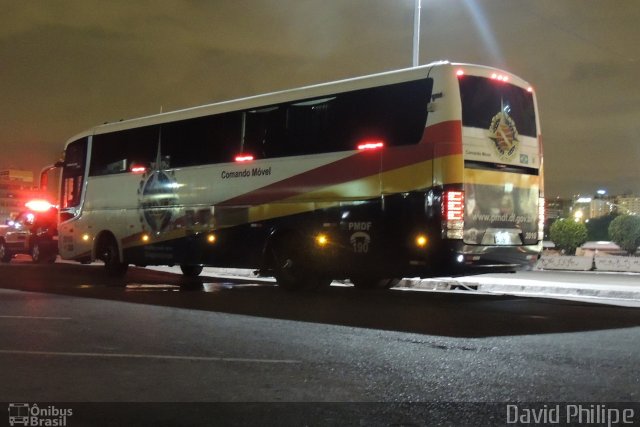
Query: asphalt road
[{"x": 68, "y": 334}]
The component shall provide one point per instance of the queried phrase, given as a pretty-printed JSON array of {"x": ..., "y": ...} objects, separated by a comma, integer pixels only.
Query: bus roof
[{"x": 257, "y": 101}]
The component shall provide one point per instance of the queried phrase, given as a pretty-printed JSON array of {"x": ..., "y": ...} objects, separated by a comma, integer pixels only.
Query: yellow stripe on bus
[
  {"x": 483, "y": 177},
  {"x": 417, "y": 176}
]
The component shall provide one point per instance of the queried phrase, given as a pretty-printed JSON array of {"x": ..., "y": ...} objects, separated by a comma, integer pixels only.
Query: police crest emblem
[{"x": 504, "y": 134}]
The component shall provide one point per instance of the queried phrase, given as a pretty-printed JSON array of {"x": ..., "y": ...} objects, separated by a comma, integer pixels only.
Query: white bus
[{"x": 433, "y": 170}]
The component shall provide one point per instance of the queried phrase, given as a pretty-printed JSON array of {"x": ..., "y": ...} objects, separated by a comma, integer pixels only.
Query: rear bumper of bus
[
  {"x": 465, "y": 259},
  {"x": 449, "y": 258}
]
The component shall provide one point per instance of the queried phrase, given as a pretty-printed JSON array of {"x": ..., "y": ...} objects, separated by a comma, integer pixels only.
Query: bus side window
[
  {"x": 262, "y": 132},
  {"x": 118, "y": 152},
  {"x": 202, "y": 140},
  {"x": 309, "y": 125}
]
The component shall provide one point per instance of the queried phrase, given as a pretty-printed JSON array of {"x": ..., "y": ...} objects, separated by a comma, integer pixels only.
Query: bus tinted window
[
  {"x": 396, "y": 114},
  {"x": 203, "y": 140},
  {"x": 116, "y": 152},
  {"x": 483, "y": 98},
  {"x": 264, "y": 132}
]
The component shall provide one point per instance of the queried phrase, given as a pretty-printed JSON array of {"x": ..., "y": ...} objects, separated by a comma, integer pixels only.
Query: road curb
[
  {"x": 529, "y": 287},
  {"x": 510, "y": 285}
]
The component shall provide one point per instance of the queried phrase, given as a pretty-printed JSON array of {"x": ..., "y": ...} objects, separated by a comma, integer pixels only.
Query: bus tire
[
  {"x": 373, "y": 283},
  {"x": 5, "y": 255},
  {"x": 190, "y": 270},
  {"x": 109, "y": 254},
  {"x": 292, "y": 268}
]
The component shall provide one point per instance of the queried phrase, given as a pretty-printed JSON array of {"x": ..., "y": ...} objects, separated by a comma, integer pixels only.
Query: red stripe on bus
[{"x": 439, "y": 140}]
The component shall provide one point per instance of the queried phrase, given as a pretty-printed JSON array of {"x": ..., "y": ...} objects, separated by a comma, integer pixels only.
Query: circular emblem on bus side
[
  {"x": 157, "y": 199},
  {"x": 504, "y": 135}
]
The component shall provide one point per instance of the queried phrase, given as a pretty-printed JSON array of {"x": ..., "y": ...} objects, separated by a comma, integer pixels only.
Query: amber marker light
[
  {"x": 211, "y": 238},
  {"x": 322, "y": 240},
  {"x": 85, "y": 237},
  {"x": 145, "y": 237},
  {"x": 421, "y": 241}
]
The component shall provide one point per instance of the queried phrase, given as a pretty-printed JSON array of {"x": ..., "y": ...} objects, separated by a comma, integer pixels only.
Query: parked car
[{"x": 33, "y": 231}]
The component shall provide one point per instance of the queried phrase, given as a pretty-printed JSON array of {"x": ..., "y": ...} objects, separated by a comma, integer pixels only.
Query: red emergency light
[{"x": 38, "y": 205}]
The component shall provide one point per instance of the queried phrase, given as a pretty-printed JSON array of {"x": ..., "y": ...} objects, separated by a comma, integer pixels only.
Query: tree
[
  {"x": 568, "y": 235},
  {"x": 598, "y": 228},
  {"x": 625, "y": 232}
]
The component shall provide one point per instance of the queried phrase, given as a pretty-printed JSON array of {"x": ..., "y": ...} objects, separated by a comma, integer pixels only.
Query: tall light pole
[{"x": 416, "y": 33}]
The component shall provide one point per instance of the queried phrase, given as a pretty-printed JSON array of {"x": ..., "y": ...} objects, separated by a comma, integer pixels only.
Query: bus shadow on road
[{"x": 458, "y": 314}]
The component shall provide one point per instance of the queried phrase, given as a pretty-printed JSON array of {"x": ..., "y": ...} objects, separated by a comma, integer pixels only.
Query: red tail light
[
  {"x": 453, "y": 214},
  {"x": 454, "y": 205}
]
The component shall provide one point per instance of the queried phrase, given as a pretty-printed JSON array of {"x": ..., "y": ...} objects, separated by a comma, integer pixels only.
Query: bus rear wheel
[
  {"x": 109, "y": 254},
  {"x": 191, "y": 270},
  {"x": 373, "y": 283},
  {"x": 292, "y": 268}
]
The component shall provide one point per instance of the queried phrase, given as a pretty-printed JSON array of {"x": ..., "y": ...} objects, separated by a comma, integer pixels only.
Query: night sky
[{"x": 67, "y": 65}]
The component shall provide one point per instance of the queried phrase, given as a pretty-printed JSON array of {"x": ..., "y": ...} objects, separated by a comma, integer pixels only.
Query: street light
[{"x": 416, "y": 32}]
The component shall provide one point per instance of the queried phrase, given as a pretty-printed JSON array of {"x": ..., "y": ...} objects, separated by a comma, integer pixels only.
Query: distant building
[
  {"x": 599, "y": 207},
  {"x": 557, "y": 208},
  {"x": 629, "y": 205},
  {"x": 16, "y": 188},
  {"x": 17, "y": 175}
]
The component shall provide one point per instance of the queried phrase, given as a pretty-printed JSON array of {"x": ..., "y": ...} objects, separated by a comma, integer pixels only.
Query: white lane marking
[
  {"x": 148, "y": 356},
  {"x": 35, "y": 317}
]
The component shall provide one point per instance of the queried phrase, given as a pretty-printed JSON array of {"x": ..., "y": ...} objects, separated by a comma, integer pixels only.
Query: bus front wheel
[
  {"x": 111, "y": 257},
  {"x": 191, "y": 270}
]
